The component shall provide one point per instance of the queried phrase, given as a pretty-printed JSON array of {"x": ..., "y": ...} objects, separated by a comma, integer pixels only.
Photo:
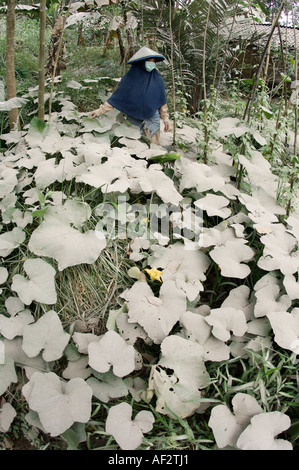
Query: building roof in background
[{"x": 246, "y": 29}]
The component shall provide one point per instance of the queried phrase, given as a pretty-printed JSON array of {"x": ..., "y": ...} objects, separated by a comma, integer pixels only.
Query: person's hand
[
  {"x": 93, "y": 114},
  {"x": 166, "y": 126}
]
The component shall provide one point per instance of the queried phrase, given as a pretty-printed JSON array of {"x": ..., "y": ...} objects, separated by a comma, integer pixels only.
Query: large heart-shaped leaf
[
  {"x": 39, "y": 285},
  {"x": 46, "y": 334},
  {"x": 156, "y": 315},
  {"x": 58, "y": 237},
  {"x": 112, "y": 350},
  {"x": 128, "y": 433},
  {"x": 13, "y": 326},
  {"x": 57, "y": 403}
]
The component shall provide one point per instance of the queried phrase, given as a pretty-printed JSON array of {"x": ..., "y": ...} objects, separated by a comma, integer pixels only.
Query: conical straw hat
[{"x": 146, "y": 53}]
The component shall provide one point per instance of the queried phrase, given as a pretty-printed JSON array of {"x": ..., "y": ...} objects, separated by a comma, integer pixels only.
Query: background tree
[
  {"x": 291, "y": 11},
  {"x": 56, "y": 51},
  {"x": 189, "y": 32}
]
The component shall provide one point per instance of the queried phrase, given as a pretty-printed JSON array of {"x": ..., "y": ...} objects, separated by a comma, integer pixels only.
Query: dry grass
[{"x": 86, "y": 292}]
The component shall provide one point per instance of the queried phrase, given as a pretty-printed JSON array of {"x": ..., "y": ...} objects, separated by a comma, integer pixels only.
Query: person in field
[{"x": 141, "y": 95}]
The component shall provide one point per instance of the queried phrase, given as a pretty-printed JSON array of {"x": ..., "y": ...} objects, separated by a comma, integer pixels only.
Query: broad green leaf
[
  {"x": 71, "y": 438},
  {"x": 285, "y": 77},
  {"x": 267, "y": 112},
  {"x": 39, "y": 213},
  {"x": 37, "y": 124},
  {"x": 167, "y": 157}
]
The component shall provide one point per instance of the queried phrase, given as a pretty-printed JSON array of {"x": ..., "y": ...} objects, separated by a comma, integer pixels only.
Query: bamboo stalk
[
  {"x": 277, "y": 126},
  {"x": 284, "y": 97},
  {"x": 173, "y": 79},
  {"x": 41, "y": 67},
  {"x": 283, "y": 56},
  {"x": 239, "y": 78},
  {"x": 204, "y": 85},
  {"x": 180, "y": 57},
  {"x": 259, "y": 70},
  {"x": 268, "y": 53},
  {"x": 294, "y": 176},
  {"x": 216, "y": 58}
]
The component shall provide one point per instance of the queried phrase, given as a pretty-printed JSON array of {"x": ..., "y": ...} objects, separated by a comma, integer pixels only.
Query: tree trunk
[
  {"x": 56, "y": 52},
  {"x": 128, "y": 33},
  {"x": 10, "y": 61},
  {"x": 121, "y": 47},
  {"x": 41, "y": 68},
  {"x": 60, "y": 42}
]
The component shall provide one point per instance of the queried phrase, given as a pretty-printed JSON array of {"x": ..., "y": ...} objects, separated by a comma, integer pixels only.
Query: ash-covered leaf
[
  {"x": 11, "y": 240},
  {"x": 107, "y": 386},
  {"x": 3, "y": 276},
  {"x": 12, "y": 103},
  {"x": 196, "y": 329},
  {"x": 260, "y": 434},
  {"x": 269, "y": 296},
  {"x": 59, "y": 404},
  {"x": 186, "y": 267},
  {"x": 186, "y": 359},
  {"x": 19, "y": 317},
  {"x": 280, "y": 251},
  {"x": 286, "y": 329},
  {"x": 214, "y": 204},
  {"x": 7, "y": 415},
  {"x": 8, "y": 373},
  {"x": 156, "y": 315},
  {"x": 46, "y": 334},
  {"x": 8, "y": 180},
  {"x": 128, "y": 433},
  {"x": 226, "y": 425},
  {"x": 112, "y": 350},
  {"x": 59, "y": 236},
  {"x": 225, "y": 320},
  {"x": 173, "y": 398},
  {"x": 39, "y": 285}
]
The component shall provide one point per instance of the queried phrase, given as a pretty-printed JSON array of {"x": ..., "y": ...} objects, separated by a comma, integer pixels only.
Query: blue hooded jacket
[{"x": 140, "y": 93}]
